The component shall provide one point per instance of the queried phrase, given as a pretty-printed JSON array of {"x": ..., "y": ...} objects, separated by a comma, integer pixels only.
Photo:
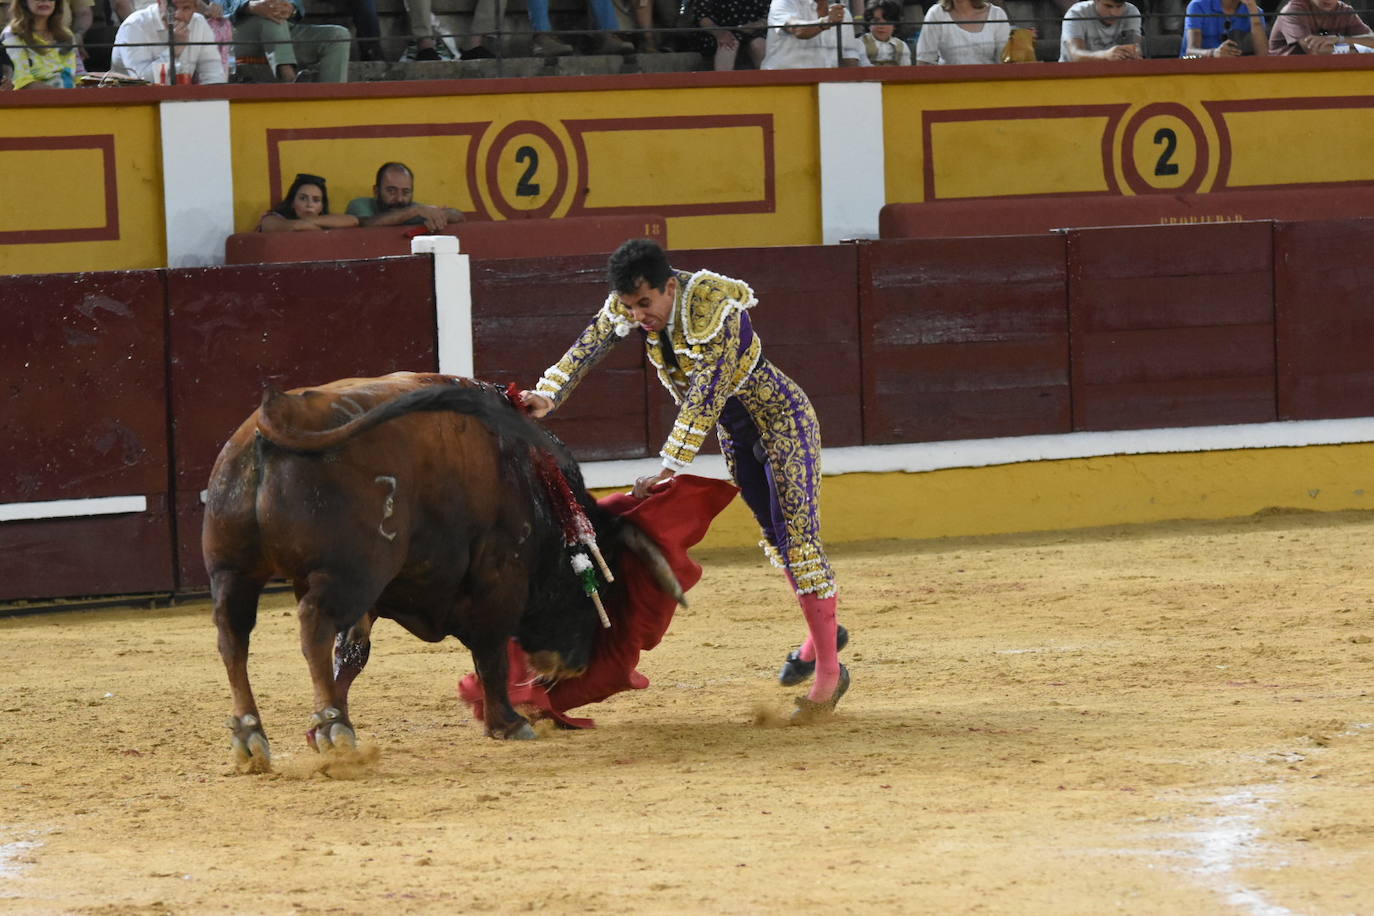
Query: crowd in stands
[{"x": 201, "y": 41}]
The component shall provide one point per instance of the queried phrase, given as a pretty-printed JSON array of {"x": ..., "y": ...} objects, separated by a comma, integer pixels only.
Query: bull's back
[{"x": 410, "y": 492}]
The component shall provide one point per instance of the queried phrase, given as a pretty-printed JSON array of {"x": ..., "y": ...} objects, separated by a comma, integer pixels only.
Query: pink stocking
[
  {"x": 820, "y": 620},
  {"x": 807, "y": 652}
]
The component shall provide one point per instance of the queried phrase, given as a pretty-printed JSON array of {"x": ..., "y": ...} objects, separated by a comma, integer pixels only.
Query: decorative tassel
[{"x": 583, "y": 567}]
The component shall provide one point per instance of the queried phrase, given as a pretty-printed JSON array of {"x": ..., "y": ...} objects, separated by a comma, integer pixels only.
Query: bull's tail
[{"x": 277, "y": 424}]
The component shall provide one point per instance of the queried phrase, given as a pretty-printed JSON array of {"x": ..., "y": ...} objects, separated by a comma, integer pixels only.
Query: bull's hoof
[
  {"x": 330, "y": 730},
  {"x": 523, "y": 733},
  {"x": 249, "y": 742}
]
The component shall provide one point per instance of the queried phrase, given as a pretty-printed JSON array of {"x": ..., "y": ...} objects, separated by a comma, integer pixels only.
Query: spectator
[
  {"x": 6, "y": 71},
  {"x": 305, "y": 208},
  {"x": 963, "y": 32},
  {"x": 213, "y": 13},
  {"x": 1318, "y": 27},
  {"x": 1218, "y": 28},
  {"x": 488, "y": 15},
  {"x": 880, "y": 43},
  {"x": 83, "y": 15},
  {"x": 1101, "y": 30},
  {"x": 141, "y": 44},
  {"x": 40, "y": 45},
  {"x": 603, "y": 14},
  {"x": 273, "y": 29},
  {"x": 810, "y": 33},
  {"x": 726, "y": 25},
  {"x": 392, "y": 202}
]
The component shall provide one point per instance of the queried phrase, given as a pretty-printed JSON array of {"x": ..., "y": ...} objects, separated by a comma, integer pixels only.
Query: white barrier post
[
  {"x": 452, "y": 301},
  {"x": 197, "y": 181},
  {"x": 853, "y": 185}
]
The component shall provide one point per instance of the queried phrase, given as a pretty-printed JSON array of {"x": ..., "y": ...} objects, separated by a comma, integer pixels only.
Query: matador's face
[{"x": 651, "y": 308}]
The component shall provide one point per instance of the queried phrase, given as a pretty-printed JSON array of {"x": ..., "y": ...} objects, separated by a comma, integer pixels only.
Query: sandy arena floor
[{"x": 1165, "y": 719}]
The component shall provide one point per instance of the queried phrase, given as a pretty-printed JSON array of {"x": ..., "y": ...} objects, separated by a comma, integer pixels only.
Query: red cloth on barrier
[{"x": 676, "y": 517}]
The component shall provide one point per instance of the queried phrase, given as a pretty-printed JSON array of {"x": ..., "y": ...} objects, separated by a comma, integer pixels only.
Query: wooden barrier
[
  {"x": 126, "y": 384},
  {"x": 1324, "y": 324},
  {"x": 525, "y": 314},
  {"x": 1172, "y": 326},
  {"x": 235, "y": 330},
  {"x": 964, "y": 338},
  {"x": 85, "y": 418},
  {"x": 517, "y": 238},
  {"x": 1034, "y": 215}
]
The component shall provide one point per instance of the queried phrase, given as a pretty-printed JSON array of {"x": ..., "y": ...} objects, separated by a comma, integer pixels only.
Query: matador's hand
[
  {"x": 538, "y": 405},
  {"x": 652, "y": 483}
]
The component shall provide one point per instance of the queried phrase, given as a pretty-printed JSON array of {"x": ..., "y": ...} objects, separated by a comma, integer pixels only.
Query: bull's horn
[{"x": 644, "y": 547}]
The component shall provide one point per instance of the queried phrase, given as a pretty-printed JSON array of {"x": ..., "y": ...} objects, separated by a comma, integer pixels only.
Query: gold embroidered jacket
[{"x": 714, "y": 350}]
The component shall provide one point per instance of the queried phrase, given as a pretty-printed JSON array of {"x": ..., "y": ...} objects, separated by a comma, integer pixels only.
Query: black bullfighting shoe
[{"x": 795, "y": 671}]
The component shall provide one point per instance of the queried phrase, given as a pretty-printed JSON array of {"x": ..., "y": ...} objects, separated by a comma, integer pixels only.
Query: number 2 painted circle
[
  {"x": 527, "y": 170},
  {"x": 1164, "y": 150}
]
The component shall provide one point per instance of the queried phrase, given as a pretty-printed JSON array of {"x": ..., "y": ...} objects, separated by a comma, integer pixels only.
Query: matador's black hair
[{"x": 635, "y": 261}]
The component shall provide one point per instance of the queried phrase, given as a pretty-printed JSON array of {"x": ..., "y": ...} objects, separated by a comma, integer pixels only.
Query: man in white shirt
[
  {"x": 141, "y": 44},
  {"x": 1101, "y": 30},
  {"x": 805, "y": 33}
]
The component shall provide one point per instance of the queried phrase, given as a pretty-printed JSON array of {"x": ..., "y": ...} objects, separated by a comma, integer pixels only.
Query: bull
[{"x": 413, "y": 497}]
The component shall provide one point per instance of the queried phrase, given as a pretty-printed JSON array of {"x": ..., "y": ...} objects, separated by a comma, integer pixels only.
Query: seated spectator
[
  {"x": 811, "y": 33},
  {"x": 83, "y": 15},
  {"x": 881, "y": 45},
  {"x": 1101, "y": 30},
  {"x": 1318, "y": 27},
  {"x": 40, "y": 45},
  {"x": 1218, "y": 28},
  {"x": 6, "y": 71},
  {"x": 392, "y": 202},
  {"x": 273, "y": 29},
  {"x": 603, "y": 15},
  {"x": 213, "y": 13},
  {"x": 487, "y": 16},
  {"x": 726, "y": 25},
  {"x": 141, "y": 44},
  {"x": 305, "y": 208},
  {"x": 963, "y": 32}
]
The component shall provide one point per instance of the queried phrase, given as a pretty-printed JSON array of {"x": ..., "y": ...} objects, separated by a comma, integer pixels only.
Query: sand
[{"x": 1171, "y": 718}]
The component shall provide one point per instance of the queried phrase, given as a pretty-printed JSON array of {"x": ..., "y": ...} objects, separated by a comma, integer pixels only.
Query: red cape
[{"x": 676, "y": 517}]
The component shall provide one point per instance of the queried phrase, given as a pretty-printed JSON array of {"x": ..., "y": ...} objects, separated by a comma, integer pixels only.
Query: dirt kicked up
[{"x": 1165, "y": 719}]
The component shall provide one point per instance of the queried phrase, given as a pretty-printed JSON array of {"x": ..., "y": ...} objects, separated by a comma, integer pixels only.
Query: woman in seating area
[
  {"x": 963, "y": 32},
  {"x": 305, "y": 208},
  {"x": 40, "y": 45}
]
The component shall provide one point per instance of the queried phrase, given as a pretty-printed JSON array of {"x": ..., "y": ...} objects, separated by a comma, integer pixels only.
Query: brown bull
[{"x": 413, "y": 497}]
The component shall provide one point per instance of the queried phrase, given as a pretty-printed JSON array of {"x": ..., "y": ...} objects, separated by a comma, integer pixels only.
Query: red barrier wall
[
  {"x": 964, "y": 338},
  {"x": 526, "y": 313},
  {"x": 85, "y": 415},
  {"x": 485, "y": 239},
  {"x": 1325, "y": 324},
  {"x": 234, "y": 330},
  {"x": 1172, "y": 326},
  {"x": 1035, "y": 215},
  {"x": 127, "y": 383}
]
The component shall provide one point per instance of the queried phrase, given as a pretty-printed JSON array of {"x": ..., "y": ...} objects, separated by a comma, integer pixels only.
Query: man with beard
[{"x": 392, "y": 203}]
